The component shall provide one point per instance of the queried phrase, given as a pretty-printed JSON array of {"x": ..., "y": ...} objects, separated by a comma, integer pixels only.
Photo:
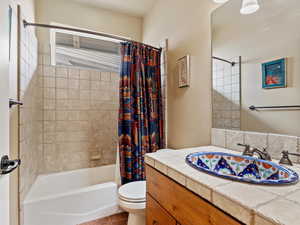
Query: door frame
[{"x": 4, "y": 109}]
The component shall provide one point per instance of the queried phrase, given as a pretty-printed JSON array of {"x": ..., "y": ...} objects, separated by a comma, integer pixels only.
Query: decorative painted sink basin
[{"x": 241, "y": 168}]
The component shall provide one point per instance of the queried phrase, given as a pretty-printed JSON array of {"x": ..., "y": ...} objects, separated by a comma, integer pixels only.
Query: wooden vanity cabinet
[
  {"x": 156, "y": 215},
  {"x": 169, "y": 203}
]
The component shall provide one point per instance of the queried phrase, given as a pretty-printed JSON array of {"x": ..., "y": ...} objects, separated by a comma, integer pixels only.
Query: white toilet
[{"x": 132, "y": 198}]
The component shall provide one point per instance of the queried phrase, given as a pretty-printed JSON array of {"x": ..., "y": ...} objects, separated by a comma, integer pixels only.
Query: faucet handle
[
  {"x": 285, "y": 159},
  {"x": 267, "y": 154},
  {"x": 247, "y": 150},
  {"x": 244, "y": 145}
]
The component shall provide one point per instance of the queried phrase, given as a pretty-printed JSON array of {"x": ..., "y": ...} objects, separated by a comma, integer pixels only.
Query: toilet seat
[{"x": 134, "y": 192}]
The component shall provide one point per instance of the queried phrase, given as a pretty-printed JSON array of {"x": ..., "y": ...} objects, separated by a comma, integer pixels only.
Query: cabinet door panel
[
  {"x": 156, "y": 215},
  {"x": 186, "y": 207}
]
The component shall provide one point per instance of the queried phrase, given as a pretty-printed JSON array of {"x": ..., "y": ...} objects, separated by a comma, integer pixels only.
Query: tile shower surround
[
  {"x": 275, "y": 143},
  {"x": 30, "y": 113},
  {"x": 80, "y": 117},
  {"x": 226, "y": 95},
  {"x": 80, "y": 114}
]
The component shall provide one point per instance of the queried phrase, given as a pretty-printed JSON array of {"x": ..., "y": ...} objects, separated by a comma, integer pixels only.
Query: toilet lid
[{"x": 135, "y": 191}]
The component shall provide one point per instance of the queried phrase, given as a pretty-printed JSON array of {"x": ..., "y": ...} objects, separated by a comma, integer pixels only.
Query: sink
[{"x": 241, "y": 168}]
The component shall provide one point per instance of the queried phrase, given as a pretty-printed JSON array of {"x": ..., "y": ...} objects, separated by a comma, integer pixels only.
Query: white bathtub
[{"x": 71, "y": 198}]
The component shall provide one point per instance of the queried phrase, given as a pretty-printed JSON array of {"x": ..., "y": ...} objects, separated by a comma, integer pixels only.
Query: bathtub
[{"x": 71, "y": 198}]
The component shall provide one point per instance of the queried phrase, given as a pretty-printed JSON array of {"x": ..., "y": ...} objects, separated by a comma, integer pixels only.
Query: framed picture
[
  {"x": 184, "y": 71},
  {"x": 274, "y": 74}
]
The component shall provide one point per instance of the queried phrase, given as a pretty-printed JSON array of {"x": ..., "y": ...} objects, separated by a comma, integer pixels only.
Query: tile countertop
[{"x": 251, "y": 204}]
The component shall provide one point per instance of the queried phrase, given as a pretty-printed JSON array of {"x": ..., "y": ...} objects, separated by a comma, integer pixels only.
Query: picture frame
[
  {"x": 183, "y": 65},
  {"x": 274, "y": 74}
]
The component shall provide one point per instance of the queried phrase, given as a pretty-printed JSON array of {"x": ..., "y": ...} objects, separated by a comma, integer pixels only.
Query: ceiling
[{"x": 132, "y": 7}]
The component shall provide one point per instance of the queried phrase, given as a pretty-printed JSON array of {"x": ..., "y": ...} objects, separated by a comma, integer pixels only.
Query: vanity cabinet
[
  {"x": 169, "y": 203},
  {"x": 156, "y": 215}
]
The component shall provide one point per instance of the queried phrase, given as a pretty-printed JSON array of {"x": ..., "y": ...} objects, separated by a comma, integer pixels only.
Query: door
[{"x": 4, "y": 109}]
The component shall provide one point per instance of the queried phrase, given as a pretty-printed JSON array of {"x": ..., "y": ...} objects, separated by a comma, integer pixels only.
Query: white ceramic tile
[
  {"x": 257, "y": 140},
  {"x": 85, "y": 75},
  {"x": 61, "y": 82},
  {"x": 278, "y": 143},
  {"x": 176, "y": 176},
  {"x": 218, "y": 137},
  {"x": 245, "y": 194},
  {"x": 199, "y": 189},
  {"x": 281, "y": 211},
  {"x": 232, "y": 208},
  {"x": 295, "y": 196},
  {"x": 49, "y": 71},
  {"x": 61, "y": 72},
  {"x": 149, "y": 161},
  {"x": 105, "y": 76},
  {"x": 233, "y": 138},
  {"x": 161, "y": 167},
  {"x": 258, "y": 220}
]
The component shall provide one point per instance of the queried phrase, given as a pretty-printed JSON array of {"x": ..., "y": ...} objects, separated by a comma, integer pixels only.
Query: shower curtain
[{"x": 141, "y": 128}]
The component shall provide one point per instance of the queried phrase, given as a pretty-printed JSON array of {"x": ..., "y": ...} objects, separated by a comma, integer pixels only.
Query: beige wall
[
  {"x": 87, "y": 17},
  {"x": 187, "y": 26}
]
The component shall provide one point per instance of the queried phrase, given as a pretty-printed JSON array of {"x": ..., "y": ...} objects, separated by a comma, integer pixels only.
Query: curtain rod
[
  {"x": 84, "y": 31},
  {"x": 224, "y": 60}
]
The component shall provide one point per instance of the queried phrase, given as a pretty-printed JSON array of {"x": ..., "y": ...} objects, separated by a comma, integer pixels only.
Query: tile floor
[{"x": 118, "y": 219}]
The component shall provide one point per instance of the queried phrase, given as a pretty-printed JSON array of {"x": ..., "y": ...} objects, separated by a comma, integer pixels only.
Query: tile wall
[
  {"x": 275, "y": 143},
  {"x": 226, "y": 94},
  {"x": 31, "y": 114},
  {"x": 80, "y": 116}
]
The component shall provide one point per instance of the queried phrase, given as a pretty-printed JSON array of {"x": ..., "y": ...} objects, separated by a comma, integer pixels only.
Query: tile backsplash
[{"x": 275, "y": 143}]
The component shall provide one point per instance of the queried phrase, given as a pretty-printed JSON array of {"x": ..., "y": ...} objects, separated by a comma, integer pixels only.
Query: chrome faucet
[
  {"x": 262, "y": 154},
  {"x": 285, "y": 158}
]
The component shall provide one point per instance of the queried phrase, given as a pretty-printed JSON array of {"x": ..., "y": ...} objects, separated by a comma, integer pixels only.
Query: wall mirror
[{"x": 256, "y": 67}]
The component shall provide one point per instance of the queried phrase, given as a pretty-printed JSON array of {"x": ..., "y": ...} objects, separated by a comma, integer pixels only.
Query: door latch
[
  {"x": 14, "y": 102},
  {"x": 7, "y": 165}
]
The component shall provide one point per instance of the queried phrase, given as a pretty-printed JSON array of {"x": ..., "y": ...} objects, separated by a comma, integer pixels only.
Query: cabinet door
[
  {"x": 185, "y": 207},
  {"x": 156, "y": 215}
]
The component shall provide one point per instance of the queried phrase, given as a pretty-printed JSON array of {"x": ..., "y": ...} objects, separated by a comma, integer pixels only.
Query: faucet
[
  {"x": 285, "y": 158},
  {"x": 262, "y": 154}
]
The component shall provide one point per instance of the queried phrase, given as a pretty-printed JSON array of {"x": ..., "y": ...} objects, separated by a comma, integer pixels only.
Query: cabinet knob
[{"x": 154, "y": 222}]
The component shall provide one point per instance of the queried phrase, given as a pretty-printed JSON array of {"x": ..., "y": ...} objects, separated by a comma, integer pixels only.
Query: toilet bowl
[{"x": 132, "y": 199}]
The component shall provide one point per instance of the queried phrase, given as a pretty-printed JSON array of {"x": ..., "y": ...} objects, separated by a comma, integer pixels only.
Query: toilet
[{"x": 132, "y": 199}]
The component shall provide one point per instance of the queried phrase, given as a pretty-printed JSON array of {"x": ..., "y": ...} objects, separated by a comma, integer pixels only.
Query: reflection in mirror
[{"x": 256, "y": 62}]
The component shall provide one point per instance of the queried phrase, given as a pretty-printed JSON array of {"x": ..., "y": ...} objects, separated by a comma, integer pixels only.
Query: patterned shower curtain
[{"x": 141, "y": 110}]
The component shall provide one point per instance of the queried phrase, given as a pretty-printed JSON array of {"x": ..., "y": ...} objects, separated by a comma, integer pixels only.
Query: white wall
[
  {"x": 28, "y": 8},
  {"x": 86, "y": 17},
  {"x": 187, "y": 26}
]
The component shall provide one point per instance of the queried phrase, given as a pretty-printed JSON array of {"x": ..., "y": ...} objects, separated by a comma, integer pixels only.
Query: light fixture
[
  {"x": 220, "y": 1},
  {"x": 249, "y": 6}
]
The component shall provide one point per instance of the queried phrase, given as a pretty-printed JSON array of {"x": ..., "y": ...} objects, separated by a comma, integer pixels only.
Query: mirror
[{"x": 256, "y": 63}]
